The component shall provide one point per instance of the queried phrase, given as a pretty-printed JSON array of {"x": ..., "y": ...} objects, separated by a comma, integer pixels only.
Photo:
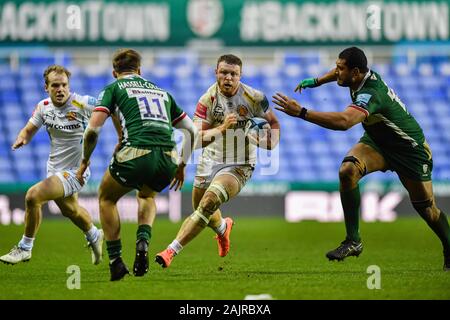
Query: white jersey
[
  {"x": 65, "y": 126},
  {"x": 212, "y": 108}
]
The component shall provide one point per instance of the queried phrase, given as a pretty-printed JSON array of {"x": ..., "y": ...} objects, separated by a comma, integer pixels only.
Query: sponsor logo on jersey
[
  {"x": 362, "y": 99},
  {"x": 425, "y": 168},
  {"x": 219, "y": 112},
  {"x": 77, "y": 104},
  {"x": 51, "y": 125},
  {"x": 100, "y": 97},
  {"x": 50, "y": 115}
]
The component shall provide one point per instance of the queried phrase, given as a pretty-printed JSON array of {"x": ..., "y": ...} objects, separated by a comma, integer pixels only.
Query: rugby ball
[{"x": 256, "y": 126}]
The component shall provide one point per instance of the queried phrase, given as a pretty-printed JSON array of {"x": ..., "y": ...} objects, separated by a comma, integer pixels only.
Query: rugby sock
[
  {"x": 176, "y": 246},
  {"x": 144, "y": 232},
  {"x": 26, "y": 243},
  {"x": 442, "y": 230},
  {"x": 114, "y": 248},
  {"x": 220, "y": 230},
  {"x": 92, "y": 234},
  {"x": 351, "y": 201}
]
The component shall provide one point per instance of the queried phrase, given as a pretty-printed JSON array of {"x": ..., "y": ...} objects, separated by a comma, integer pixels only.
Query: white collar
[{"x": 368, "y": 74}]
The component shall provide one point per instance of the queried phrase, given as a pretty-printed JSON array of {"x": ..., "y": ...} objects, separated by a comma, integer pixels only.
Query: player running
[
  {"x": 225, "y": 165},
  {"x": 393, "y": 140},
  {"x": 65, "y": 115}
]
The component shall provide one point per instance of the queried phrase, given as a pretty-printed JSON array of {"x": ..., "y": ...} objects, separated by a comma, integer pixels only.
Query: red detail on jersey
[
  {"x": 200, "y": 111},
  {"x": 174, "y": 122},
  {"x": 102, "y": 109},
  {"x": 360, "y": 109},
  {"x": 46, "y": 102},
  {"x": 34, "y": 111}
]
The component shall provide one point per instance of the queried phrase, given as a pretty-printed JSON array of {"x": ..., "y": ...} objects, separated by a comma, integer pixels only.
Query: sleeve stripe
[
  {"x": 181, "y": 117},
  {"x": 102, "y": 109},
  {"x": 360, "y": 109}
]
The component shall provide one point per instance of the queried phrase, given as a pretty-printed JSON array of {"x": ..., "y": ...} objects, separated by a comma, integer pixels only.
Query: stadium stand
[{"x": 307, "y": 152}]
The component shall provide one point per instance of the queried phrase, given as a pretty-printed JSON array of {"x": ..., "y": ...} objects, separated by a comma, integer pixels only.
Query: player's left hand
[
  {"x": 289, "y": 106},
  {"x": 307, "y": 83},
  {"x": 178, "y": 180},
  {"x": 81, "y": 170}
]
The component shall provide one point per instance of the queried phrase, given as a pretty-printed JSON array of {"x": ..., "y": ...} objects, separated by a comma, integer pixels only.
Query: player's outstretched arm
[
  {"x": 315, "y": 82},
  {"x": 25, "y": 135},
  {"x": 331, "y": 120}
]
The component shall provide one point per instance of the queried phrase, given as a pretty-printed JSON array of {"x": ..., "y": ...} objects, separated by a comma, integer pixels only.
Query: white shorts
[
  {"x": 205, "y": 174},
  {"x": 70, "y": 182}
]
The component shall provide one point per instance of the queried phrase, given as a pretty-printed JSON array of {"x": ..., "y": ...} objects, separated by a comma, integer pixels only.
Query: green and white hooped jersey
[
  {"x": 147, "y": 113},
  {"x": 388, "y": 122},
  {"x": 65, "y": 126}
]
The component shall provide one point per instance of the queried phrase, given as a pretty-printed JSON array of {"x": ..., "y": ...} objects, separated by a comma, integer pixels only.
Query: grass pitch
[{"x": 269, "y": 256}]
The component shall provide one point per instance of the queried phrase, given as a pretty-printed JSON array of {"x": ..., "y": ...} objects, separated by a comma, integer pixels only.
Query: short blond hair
[{"x": 57, "y": 69}]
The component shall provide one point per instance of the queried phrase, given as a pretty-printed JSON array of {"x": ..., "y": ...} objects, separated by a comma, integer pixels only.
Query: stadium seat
[{"x": 307, "y": 152}]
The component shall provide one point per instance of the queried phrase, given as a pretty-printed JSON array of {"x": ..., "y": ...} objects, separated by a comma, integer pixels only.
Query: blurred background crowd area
[{"x": 181, "y": 58}]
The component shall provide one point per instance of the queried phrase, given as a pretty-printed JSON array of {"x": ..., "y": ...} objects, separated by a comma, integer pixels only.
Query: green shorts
[
  {"x": 415, "y": 163},
  {"x": 134, "y": 168}
]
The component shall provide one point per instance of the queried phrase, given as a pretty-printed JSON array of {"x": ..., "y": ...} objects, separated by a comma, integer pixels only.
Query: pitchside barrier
[{"x": 293, "y": 202}]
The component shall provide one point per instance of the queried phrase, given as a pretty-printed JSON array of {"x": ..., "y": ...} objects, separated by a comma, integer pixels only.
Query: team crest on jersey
[
  {"x": 242, "y": 110},
  {"x": 71, "y": 116},
  {"x": 219, "y": 112},
  {"x": 66, "y": 175}
]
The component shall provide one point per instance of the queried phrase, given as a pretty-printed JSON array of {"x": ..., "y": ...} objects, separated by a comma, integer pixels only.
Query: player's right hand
[
  {"x": 230, "y": 121},
  {"x": 178, "y": 180},
  {"x": 81, "y": 170},
  {"x": 19, "y": 143},
  {"x": 306, "y": 83}
]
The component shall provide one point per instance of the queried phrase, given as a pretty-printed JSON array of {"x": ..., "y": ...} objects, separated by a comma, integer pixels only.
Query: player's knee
[
  {"x": 209, "y": 204},
  {"x": 104, "y": 196},
  {"x": 348, "y": 173},
  {"x": 427, "y": 210},
  {"x": 32, "y": 197},
  {"x": 351, "y": 170}
]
